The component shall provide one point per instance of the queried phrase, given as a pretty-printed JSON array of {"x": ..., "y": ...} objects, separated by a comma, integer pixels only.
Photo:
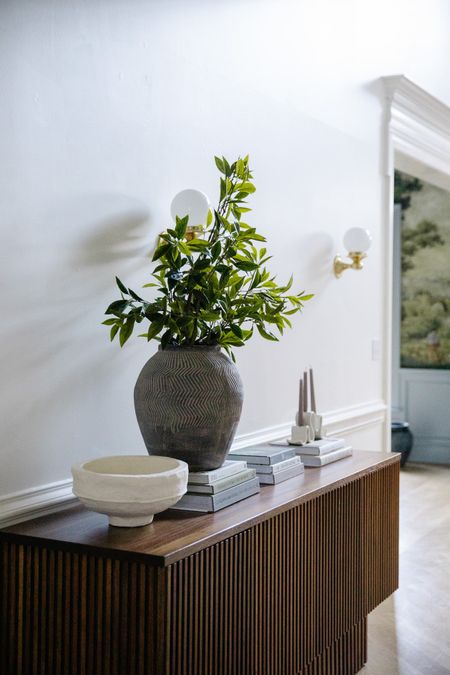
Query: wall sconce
[
  {"x": 357, "y": 241},
  {"x": 194, "y": 204}
]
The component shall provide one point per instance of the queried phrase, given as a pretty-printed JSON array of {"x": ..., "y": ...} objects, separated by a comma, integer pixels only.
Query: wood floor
[{"x": 409, "y": 634}]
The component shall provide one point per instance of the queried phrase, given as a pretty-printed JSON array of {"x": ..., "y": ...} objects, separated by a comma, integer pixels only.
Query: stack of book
[
  {"x": 209, "y": 491},
  {"x": 324, "y": 451},
  {"x": 272, "y": 465}
]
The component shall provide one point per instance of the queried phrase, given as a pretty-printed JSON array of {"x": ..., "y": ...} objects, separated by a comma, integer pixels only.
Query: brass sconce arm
[{"x": 356, "y": 257}]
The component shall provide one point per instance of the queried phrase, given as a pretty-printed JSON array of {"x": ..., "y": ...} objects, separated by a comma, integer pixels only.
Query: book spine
[
  {"x": 254, "y": 459},
  {"x": 273, "y": 479},
  {"x": 321, "y": 449},
  {"x": 209, "y": 477},
  {"x": 276, "y": 468},
  {"x": 208, "y": 503},
  {"x": 223, "y": 483},
  {"x": 225, "y": 498},
  {"x": 322, "y": 460},
  {"x": 287, "y": 454}
]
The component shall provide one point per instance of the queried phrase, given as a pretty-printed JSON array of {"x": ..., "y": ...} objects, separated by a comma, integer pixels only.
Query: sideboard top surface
[{"x": 173, "y": 535}]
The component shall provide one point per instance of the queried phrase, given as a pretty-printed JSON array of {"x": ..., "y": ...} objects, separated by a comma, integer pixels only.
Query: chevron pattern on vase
[{"x": 188, "y": 402}]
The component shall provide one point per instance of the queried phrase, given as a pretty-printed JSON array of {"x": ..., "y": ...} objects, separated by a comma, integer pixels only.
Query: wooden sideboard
[{"x": 280, "y": 583}]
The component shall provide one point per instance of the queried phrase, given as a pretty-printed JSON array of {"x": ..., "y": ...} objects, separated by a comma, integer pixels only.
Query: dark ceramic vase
[
  {"x": 402, "y": 440},
  {"x": 188, "y": 402}
]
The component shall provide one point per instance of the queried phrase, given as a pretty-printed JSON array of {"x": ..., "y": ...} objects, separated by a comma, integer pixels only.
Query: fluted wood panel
[
  {"x": 288, "y": 596},
  {"x": 272, "y": 598},
  {"x": 75, "y": 614},
  {"x": 344, "y": 656}
]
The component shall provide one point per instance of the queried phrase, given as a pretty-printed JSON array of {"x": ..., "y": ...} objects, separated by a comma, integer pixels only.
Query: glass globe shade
[
  {"x": 192, "y": 203},
  {"x": 357, "y": 239}
]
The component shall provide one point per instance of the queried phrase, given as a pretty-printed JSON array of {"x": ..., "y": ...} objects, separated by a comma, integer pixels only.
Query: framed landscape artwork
[{"x": 425, "y": 273}]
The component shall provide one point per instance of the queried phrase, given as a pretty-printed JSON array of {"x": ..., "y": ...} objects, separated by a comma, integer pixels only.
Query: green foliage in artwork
[
  {"x": 404, "y": 187},
  {"x": 213, "y": 290},
  {"x": 424, "y": 235},
  {"x": 425, "y": 307},
  {"x": 425, "y": 331}
]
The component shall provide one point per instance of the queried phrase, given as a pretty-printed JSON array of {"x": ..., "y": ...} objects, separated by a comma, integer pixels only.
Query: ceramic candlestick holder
[
  {"x": 315, "y": 422},
  {"x": 301, "y": 435},
  {"x": 308, "y": 421}
]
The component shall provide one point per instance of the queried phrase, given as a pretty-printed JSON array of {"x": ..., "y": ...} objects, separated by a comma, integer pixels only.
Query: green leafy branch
[{"x": 214, "y": 290}]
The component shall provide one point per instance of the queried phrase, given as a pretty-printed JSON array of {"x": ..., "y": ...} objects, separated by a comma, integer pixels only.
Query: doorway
[
  {"x": 416, "y": 373},
  {"x": 421, "y": 308}
]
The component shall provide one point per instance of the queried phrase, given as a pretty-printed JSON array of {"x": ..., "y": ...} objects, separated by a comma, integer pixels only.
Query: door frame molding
[{"x": 416, "y": 125}]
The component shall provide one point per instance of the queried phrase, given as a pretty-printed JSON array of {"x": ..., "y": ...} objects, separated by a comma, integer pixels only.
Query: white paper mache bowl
[{"x": 130, "y": 489}]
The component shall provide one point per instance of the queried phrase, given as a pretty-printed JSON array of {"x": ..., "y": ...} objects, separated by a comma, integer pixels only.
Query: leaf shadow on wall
[
  {"x": 316, "y": 261},
  {"x": 65, "y": 384}
]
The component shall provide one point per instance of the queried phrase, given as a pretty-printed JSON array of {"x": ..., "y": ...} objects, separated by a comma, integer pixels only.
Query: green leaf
[
  {"x": 304, "y": 298},
  {"x": 181, "y": 225},
  {"x": 109, "y": 322},
  {"x": 135, "y": 295},
  {"x": 266, "y": 334},
  {"x": 240, "y": 168},
  {"x": 246, "y": 187},
  {"x": 154, "y": 328},
  {"x": 283, "y": 289},
  {"x": 245, "y": 265},
  {"x": 219, "y": 164},
  {"x": 223, "y": 189},
  {"x": 227, "y": 167},
  {"x": 121, "y": 286},
  {"x": 160, "y": 251},
  {"x": 184, "y": 248},
  {"x": 125, "y": 331},
  {"x": 237, "y": 331},
  {"x": 216, "y": 249},
  {"x": 230, "y": 338},
  {"x": 117, "y": 307},
  {"x": 209, "y": 218},
  {"x": 198, "y": 244},
  {"x": 210, "y": 316},
  {"x": 149, "y": 285},
  {"x": 253, "y": 236},
  {"x": 113, "y": 332}
]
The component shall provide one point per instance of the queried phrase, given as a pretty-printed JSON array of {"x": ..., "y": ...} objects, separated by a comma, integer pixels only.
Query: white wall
[{"x": 109, "y": 107}]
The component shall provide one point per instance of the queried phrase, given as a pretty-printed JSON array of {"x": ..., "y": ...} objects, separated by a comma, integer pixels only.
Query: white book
[
  {"x": 275, "y": 468},
  {"x": 322, "y": 447},
  {"x": 262, "y": 454},
  {"x": 321, "y": 460},
  {"x": 275, "y": 478},
  {"x": 211, "y": 503},
  {"x": 228, "y": 468},
  {"x": 223, "y": 483}
]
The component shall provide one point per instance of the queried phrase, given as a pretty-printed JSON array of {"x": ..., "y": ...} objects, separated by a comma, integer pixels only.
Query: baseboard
[
  {"x": 356, "y": 417},
  {"x": 38, "y": 501},
  {"x": 45, "y": 499}
]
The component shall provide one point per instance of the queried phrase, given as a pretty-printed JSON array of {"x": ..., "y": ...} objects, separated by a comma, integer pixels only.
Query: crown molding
[{"x": 419, "y": 123}]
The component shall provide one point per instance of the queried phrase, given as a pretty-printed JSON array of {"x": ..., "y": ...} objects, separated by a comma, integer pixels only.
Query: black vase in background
[
  {"x": 188, "y": 402},
  {"x": 402, "y": 440}
]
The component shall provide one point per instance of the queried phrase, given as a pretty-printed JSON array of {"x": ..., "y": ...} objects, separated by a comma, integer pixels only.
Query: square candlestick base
[
  {"x": 300, "y": 435},
  {"x": 315, "y": 422}
]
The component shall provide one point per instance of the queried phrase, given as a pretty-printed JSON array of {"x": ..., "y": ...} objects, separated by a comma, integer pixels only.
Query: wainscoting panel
[{"x": 424, "y": 403}]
